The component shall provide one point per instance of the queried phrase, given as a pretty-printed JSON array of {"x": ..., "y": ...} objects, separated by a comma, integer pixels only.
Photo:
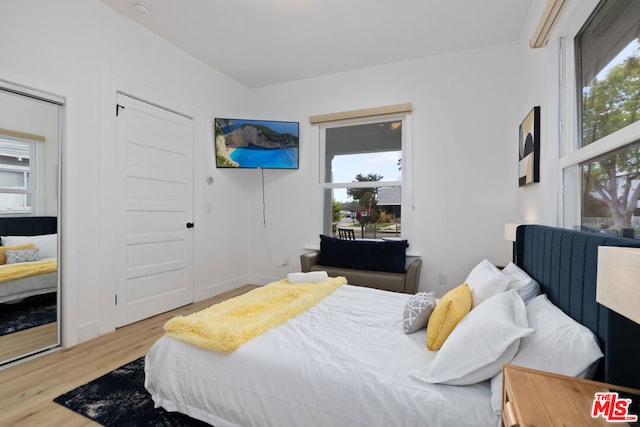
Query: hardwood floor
[
  {"x": 27, "y": 390},
  {"x": 29, "y": 340}
]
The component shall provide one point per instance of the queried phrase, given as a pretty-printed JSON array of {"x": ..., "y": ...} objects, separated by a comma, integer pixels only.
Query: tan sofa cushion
[
  {"x": 396, "y": 282},
  {"x": 373, "y": 279}
]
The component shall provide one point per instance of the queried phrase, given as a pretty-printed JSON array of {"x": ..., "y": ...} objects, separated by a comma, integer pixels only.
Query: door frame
[{"x": 107, "y": 259}]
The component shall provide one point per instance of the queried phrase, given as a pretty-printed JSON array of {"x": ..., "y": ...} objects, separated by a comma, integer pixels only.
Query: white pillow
[
  {"x": 47, "y": 244},
  {"x": 417, "y": 311},
  {"x": 521, "y": 282},
  {"x": 560, "y": 345},
  {"x": 485, "y": 280},
  {"x": 484, "y": 340}
]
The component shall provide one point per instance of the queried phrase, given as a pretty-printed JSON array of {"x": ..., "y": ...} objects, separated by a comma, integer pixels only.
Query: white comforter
[{"x": 344, "y": 362}]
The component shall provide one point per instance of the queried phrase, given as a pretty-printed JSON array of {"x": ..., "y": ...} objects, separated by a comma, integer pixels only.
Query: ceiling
[{"x": 265, "y": 42}]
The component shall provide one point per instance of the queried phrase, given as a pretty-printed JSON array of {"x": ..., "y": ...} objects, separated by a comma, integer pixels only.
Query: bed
[
  {"x": 564, "y": 262},
  {"x": 347, "y": 361},
  {"x": 24, "y": 279}
]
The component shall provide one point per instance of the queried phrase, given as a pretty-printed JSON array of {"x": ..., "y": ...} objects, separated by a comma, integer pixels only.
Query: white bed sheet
[
  {"x": 344, "y": 362},
  {"x": 16, "y": 290}
]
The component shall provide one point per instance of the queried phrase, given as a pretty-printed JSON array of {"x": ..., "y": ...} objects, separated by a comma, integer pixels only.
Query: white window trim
[
  {"x": 613, "y": 141},
  {"x": 406, "y": 184}
]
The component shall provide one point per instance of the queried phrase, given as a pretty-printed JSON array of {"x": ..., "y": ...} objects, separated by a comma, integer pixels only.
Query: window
[
  {"x": 363, "y": 176},
  {"x": 611, "y": 190},
  {"x": 608, "y": 58},
  {"x": 17, "y": 175},
  {"x": 602, "y": 175}
]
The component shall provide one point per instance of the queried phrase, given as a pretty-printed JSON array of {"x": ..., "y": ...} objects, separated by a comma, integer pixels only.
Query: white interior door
[{"x": 155, "y": 183}]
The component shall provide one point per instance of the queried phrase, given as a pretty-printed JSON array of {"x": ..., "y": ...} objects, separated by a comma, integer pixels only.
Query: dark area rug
[
  {"x": 120, "y": 399},
  {"x": 30, "y": 312}
]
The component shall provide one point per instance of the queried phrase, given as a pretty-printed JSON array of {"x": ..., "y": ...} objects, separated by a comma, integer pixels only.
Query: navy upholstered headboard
[
  {"x": 28, "y": 225},
  {"x": 564, "y": 262}
]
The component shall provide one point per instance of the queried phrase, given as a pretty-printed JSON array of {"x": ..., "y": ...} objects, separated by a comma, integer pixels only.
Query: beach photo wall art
[{"x": 265, "y": 144}]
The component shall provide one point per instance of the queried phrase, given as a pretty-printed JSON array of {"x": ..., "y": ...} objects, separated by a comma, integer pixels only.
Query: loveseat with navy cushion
[{"x": 380, "y": 264}]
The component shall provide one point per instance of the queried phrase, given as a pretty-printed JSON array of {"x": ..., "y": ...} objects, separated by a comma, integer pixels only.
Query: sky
[
  {"x": 632, "y": 49},
  {"x": 346, "y": 167}
]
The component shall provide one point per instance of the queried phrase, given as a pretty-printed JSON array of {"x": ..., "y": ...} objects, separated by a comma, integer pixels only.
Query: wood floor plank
[
  {"x": 28, "y": 341},
  {"x": 27, "y": 390}
]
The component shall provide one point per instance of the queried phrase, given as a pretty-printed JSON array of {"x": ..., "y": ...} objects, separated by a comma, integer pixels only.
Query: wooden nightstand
[{"x": 538, "y": 398}]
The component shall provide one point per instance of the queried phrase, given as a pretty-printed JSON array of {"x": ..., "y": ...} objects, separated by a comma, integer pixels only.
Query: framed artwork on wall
[{"x": 529, "y": 149}]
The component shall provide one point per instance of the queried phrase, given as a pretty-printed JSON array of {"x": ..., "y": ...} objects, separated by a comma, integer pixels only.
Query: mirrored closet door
[{"x": 30, "y": 141}]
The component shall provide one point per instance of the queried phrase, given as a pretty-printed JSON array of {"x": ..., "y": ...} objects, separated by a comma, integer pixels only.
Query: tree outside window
[
  {"x": 608, "y": 71},
  {"x": 611, "y": 190}
]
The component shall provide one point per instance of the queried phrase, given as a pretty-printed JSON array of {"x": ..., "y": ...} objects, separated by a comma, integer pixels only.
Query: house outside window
[
  {"x": 363, "y": 176},
  {"x": 17, "y": 176},
  {"x": 602, "y": 172}
]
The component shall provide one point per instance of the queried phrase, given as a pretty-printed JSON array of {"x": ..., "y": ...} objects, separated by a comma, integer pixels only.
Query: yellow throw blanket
[
  {"x": 17, "y": 271},
  {"x": 226, "y": 326}
]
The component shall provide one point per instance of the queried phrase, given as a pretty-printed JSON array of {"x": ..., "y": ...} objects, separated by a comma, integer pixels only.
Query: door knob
[{"x": 189, "y": 225}]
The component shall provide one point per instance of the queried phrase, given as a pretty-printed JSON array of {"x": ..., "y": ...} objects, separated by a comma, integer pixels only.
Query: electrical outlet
[{"x": 442, "y": 279}]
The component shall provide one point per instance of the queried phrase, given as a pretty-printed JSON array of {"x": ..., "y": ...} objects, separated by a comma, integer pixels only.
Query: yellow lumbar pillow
[
  {"x": 3, "y": 249},
  {"x": 451, "y": 308}
]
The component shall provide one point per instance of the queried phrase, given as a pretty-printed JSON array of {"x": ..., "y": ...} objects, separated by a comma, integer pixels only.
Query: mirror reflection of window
[{"x": 16, "y": 176}]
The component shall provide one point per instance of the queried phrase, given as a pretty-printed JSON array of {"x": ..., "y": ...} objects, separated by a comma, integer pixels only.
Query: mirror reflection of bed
[{"x": 29, "y": 200}]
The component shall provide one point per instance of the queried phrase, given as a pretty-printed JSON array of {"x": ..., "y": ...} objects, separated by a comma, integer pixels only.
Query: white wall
[
  {"x": 66, "y": 47},
  {"x": 548, "y": 73},
  {"x": 539, "y": 203},
  {"x": 465, "y": 137},
  {"x": 536, "y": 203},
  {"x": 467, "y": 108},
  {"x": 479, "y": 96}
]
